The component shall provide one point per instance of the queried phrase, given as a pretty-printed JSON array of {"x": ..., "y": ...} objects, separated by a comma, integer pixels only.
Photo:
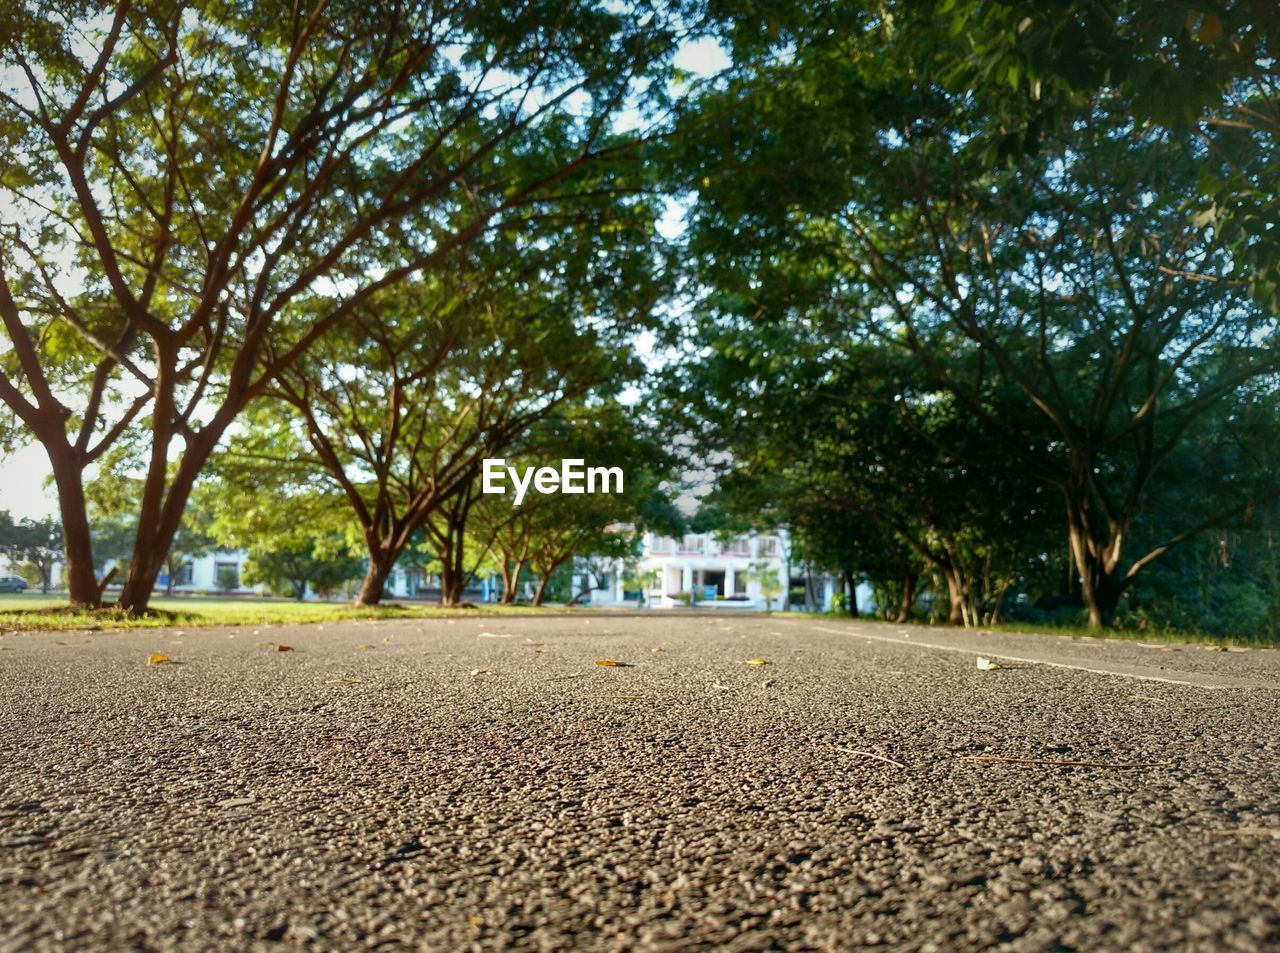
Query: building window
[
  {"x": 769, "y": 546},
  {"x": 740, "y": 584},
  {"x": 226, "y": 576},
  {"x": 694, "y": 545},
  {"x": 740, "y": 546},
  {"x": 663, "y": 545},
  {"x": 186, "y": 575}
]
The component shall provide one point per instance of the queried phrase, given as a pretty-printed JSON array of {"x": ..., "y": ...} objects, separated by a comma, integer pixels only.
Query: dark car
[{"x": 12, "y": 584}]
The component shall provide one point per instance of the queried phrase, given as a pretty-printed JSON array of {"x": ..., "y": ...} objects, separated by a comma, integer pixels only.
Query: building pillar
[
  {"x": 686, "y": 579},
  {"x": 729, "y": 581}
]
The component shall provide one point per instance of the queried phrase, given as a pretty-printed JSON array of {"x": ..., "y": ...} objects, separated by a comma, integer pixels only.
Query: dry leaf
[
  {"x": 158, "y": 659},
  {"x": 477, "y": 672},
  {"x": 364, "y": 645},
  {"x": 284, "y": 648},
  {"x": 755, "y": 661},
  {"x": 608, "y": 662},
  {"x": 986, "y": 665}
]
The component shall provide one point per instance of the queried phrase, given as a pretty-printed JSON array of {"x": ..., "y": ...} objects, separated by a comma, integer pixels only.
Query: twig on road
[{"x": 870, "y": 754}]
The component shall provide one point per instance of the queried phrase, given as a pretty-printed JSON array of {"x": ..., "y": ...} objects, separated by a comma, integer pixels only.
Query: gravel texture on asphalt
[{"x": 482, "y": 784}]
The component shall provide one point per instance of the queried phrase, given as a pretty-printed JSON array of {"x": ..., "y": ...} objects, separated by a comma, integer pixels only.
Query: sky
[{"x": 25, "y": 477}]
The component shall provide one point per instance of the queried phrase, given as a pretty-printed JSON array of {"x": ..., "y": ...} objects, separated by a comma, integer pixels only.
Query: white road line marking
[{"x": 916, "y": 643}]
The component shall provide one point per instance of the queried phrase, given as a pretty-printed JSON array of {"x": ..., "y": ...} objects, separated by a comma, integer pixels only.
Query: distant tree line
[
  {"x": 977, "y": 297},
  {"x": 988, "y": 300}
]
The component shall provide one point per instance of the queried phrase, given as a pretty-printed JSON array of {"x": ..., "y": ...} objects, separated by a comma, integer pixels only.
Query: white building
[
  {"x": 222, "y": 572},
  {"x": 699, "y": 569}
]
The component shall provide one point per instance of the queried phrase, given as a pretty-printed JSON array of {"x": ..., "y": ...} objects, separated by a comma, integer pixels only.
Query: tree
[
  {"x": 113, "y": 500},
  {"x": 769, "y": 581},
  {"x": 226, "y": 185},
  {"x": 1207, "y": 69},
  {"x": 1074, "y": 273},
  {"x": 35, "y": 543},
  {"x": 228, "y": 578},
  {"x": 599, "y": 526},
  {"x": 322, "y": 564},
  {"x": 643, "y": 581},
  {"x": 398, "y": 408},
  {"x": 296, "y": 533},
  {"x": 506, "y": 529}
]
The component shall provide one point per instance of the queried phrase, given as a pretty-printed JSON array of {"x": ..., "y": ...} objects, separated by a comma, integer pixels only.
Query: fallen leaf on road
[
  {"x": 756, "y": 661},
  {"x": 723, "y": 688},
  {"x": 496, "y": 635},
  {"x": 157, "y": 659},
  {"x": 611, "y": 663},
  {"x": 284, "y": 648},
  {"x": 477, "y": 672},
  {"x": 364, "y": 645},
  {"x": 986, "y": 665}
]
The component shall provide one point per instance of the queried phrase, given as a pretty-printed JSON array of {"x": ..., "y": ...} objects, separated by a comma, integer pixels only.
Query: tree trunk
[
  {"x": 508, "y": 583},
  {"x": 542, "y": 588},
  {"x": 811, "y": 590},
  {"x": 451, "y": 572},
  {"x": 955, "y": 597},
  {"x": 909, "y": 582},
  {"x": 851, "y": 589},
  {"x": 160, "y": 516},
  {"x": 77, "y": 544},
  {"x": 510, "y": 596},
  {"x": 1096, "y": 561},
  {"x": 450, "y": 584},
  {"x": 375, "y": 580}
]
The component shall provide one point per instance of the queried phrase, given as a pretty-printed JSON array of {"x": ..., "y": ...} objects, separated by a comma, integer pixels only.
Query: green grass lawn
[
  {"x": 1175, "y": 636},
  {"x": 33, "y": 611}
]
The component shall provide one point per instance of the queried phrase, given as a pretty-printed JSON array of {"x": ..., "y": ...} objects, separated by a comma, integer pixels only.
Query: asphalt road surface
[{"x": 485, "y": 784}]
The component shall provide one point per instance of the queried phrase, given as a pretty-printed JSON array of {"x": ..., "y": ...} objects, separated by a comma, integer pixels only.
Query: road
[{"x": 481, "y": 784}]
